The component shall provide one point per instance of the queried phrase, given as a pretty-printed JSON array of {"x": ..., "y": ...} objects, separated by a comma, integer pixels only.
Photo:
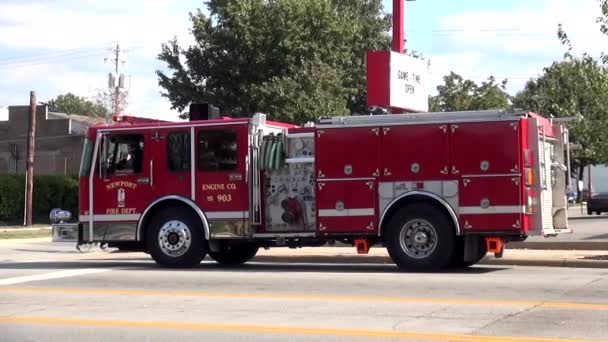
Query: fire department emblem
[{"x": 121, "y": 198}]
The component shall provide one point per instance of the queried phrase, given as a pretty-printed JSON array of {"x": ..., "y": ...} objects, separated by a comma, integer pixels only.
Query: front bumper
[{"x": 64, "y": 232}]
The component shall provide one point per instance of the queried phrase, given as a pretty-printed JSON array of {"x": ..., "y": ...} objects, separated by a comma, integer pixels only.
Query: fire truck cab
[{"x": 436, "y": 189}]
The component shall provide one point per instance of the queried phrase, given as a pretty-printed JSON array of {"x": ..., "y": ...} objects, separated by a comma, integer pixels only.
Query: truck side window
[
  {"x": 123, "y": 154},
  {"x": 178, "y": 151},
  {"x": 217, "y": 150}
]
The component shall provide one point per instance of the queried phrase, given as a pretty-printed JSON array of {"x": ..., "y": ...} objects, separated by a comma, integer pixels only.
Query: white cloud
[
  {"x": 521, "y": 41},
  {"x": 61, "y": 48},
  {"x": 50, "y": 26}
]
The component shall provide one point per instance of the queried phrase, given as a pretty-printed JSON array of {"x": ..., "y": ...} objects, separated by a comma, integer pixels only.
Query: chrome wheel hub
[
  {"x": 418, "y": 238},
  {"x": 174, "y": 238}
]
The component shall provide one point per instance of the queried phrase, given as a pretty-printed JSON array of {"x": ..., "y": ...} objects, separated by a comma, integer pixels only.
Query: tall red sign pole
[
  {"x": 398, "y": 34},
  {"x": 398, "y": 25},
  {"x": 395, "y": 81}
]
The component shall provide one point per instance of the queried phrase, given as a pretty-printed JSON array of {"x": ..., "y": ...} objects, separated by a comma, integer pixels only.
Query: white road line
[{"x": 52, "y": 275}]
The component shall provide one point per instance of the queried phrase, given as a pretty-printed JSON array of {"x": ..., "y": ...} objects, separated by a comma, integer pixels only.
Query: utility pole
[
  {"x": 117, "y": 90},
  {"x": 116, "y": 79},
  {"x": 29, "y": 179}
]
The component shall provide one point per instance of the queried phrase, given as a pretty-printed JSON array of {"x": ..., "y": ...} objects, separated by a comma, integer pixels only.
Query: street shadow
[
  {"x": 595, "y": 257},
  {"x": 144, "y": 264},
  {"x": 55, "y": 251}
]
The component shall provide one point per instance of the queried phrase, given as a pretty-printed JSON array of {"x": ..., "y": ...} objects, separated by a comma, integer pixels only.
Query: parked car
[
  {"x": 598, "y": 203},
  {"x": 571, "y": 196}
]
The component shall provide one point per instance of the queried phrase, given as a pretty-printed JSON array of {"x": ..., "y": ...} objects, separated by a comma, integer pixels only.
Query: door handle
[
  {"x": 143, "y": 180},
  {"x": 235, "y": 177},
  {"x": 151, "y": 172}
]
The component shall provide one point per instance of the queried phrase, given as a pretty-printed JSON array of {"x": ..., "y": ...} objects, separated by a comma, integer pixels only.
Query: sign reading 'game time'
[{"x": 395, "y": 80}]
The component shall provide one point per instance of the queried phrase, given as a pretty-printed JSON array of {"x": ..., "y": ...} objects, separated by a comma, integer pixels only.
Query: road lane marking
[
  {"x": 51, "y": 275},
  {"x": 297, "y": 296},
  {"x": 290, "y": 330}
]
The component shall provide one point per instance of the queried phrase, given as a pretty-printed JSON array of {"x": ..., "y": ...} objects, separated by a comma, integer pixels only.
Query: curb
[
  {"x": 560, "y": 245},
  {"x": 575, "y": 263},
  {"x": 18, "y": 240},
  {"x": 24, "y": 230},
  {"x": 588, "y": 217}
]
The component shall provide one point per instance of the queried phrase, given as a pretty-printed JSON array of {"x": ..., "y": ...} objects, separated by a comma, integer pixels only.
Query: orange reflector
[
  {"x": 362, "y": 246},
  {"x": 495, "y": 245},
  {"x": 529, "y": 176}
]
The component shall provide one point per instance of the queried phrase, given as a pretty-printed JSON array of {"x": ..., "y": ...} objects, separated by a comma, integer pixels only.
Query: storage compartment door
[
  {"x": 346, "y": 206},
  {"x": 489, "y": 204},
  {"x": 348, "y": 152},
  {"x": 485, "y": 148},
  {"x": 405, "y": 152}
]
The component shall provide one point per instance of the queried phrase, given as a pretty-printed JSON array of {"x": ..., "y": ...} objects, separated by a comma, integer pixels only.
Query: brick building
[{"x": 59, "y": 140}]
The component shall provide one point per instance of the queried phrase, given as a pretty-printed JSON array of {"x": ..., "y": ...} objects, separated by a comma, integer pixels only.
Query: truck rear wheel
[
  {"x": 236, "y": 254},
  {"x": 420, "y": 237},
  {"x": 175, "y": 239}
]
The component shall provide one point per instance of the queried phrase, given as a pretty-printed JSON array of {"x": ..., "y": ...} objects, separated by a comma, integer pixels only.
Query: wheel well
[
  {"x": 414, "y": 199},
  {"x": 168, "y": 203}
]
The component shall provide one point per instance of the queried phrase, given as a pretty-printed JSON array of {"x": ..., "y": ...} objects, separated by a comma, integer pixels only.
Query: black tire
[
  {"x": 458, "y": 256},
  {"x": 194, "y": 246},
  {"x": 589, "y": 212},
  {"x": 234, "y": 254},
  {"x": 422, "y": 218}
]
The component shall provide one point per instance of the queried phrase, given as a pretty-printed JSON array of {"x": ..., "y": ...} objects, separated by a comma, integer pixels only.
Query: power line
[
  {"x": 49, "y": 61},
  {"x": 50, "y": 54}
]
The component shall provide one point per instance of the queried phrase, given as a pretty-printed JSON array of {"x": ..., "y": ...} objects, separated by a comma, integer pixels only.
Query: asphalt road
[{"x": 48, "y": 292}]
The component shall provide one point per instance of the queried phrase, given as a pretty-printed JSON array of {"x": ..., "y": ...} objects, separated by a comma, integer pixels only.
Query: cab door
[
  {"x": 221, "y": 177},
  {"x": 172, "y": 162},
  {"x": 122, "y": 183}
]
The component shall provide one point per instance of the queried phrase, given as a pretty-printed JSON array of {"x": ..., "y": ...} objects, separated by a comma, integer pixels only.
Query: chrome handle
[{"x": 151, "y": 172}]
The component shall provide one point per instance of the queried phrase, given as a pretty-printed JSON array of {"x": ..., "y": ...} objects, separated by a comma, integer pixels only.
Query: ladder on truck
[{"x": 422, "y": 118}]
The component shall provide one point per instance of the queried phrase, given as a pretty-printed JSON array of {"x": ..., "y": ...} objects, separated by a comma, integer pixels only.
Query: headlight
[{"x": 59, "y": 215}]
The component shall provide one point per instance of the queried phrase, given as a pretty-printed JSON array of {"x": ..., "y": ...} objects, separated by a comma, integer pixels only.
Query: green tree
[
  {"x": 603, "y": 21},
  {"x": 574, "y": 87},
  {"x": 72, "y": 104},
  {"x": 457, "y": 94},
  {"x": 292, "y": 59}
]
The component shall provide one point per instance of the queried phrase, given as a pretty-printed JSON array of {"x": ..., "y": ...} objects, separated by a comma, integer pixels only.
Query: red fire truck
[{"x": 436, "y": 189}]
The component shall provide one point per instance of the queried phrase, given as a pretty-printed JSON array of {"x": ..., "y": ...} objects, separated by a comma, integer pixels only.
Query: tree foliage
[
  {"x": 574, "y": 87},
  {"x": 292, "y": 59},
  {"x": 71, "y": 104},
  {"x": 457, "y": 94},
  {"x": 603, "y": 21}
]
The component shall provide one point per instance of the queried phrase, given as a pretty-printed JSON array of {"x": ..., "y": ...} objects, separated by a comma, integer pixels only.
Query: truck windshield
[{"x": 85, "y": 161}]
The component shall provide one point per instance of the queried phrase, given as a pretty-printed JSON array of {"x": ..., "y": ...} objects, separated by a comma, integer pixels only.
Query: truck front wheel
[
  {"x": 175, "y": 238},
  {"x": 420, "y": 237},
  {"x": 234, "y": 254}
]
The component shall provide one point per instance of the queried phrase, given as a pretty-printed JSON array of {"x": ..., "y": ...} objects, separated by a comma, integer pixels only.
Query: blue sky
[{"x": 62, "y": 45}]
